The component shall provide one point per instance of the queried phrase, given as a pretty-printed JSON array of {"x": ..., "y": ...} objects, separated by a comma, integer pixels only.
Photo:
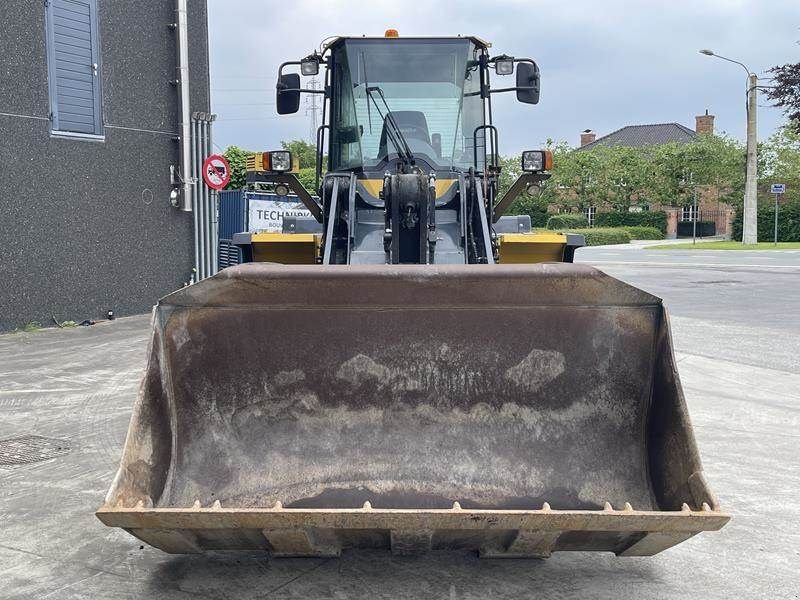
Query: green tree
[
  {"x": 619, "y": 177},
  {"x": 307, "y": 176},
  {"x": 780, "y": 161},
  {"x": 785, "y": 91},
  {"x": 237, "y": 159},
  {"x": 306, "y": 153}
]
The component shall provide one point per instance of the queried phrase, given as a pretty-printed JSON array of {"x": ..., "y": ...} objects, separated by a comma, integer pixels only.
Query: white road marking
[{"x": 692, "y": 265}]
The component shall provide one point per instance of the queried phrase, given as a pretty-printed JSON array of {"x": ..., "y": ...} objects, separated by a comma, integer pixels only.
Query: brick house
[{"x": 709, "y": 205}]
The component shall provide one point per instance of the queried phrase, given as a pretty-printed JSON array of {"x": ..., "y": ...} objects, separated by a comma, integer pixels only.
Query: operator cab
[{"x": 412, "y": 154}]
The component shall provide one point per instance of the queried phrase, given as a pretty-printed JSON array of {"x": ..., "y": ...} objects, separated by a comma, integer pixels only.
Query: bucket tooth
[
  {"x": 627, "y": 507},
  {"x": 410, "y": 542},
  {"x": 706, "y": 507},
  {"x": 546, "y": 507},
  {"x": 196, "y": 505},
  {"x": 607, "y": 507},
  {"x": 278, "y": 505},
  {"x": 456, "y": 506},
  {"x": 217, "y": 505},
  {"x": 685, "y": 508},
  {"x": 367, "y": 505}
]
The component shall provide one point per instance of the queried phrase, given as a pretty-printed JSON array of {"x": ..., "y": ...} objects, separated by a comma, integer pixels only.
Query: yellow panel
[
  {"x": 285, "y": 248},
  {"x": 527, "y": 248},
  {"x": 443, "y": 185},
  {"x": 374, "y": 186},
  {"x": 257, "y": 162}
]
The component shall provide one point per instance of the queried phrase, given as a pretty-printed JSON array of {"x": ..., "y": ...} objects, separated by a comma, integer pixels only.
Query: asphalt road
[{"x": 735, "y": 325}]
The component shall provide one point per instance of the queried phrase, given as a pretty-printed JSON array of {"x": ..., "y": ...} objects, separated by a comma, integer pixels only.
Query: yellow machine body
[{"x": 285, "y": 248}]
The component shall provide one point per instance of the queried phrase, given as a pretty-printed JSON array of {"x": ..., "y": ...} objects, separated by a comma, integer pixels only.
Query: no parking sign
[{"x": 216, "y": 172}]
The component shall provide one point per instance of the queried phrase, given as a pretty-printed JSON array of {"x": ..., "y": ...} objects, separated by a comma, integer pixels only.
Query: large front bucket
[{"x": 516, "y": 410}]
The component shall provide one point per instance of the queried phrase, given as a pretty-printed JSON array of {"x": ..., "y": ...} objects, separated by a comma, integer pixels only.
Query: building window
[
  {"x": 73, "y": 67},
  {"x": 689, "y": 213},
  {"x": 589, "y": 213}
]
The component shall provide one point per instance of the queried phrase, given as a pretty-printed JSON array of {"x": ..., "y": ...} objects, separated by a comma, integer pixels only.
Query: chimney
[
  {"x": 588, "y": 136},
  {"x": 704, "y": 123}
]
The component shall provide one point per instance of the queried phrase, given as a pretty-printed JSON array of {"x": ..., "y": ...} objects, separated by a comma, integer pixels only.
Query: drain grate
[{"x": 28, "y": 449}]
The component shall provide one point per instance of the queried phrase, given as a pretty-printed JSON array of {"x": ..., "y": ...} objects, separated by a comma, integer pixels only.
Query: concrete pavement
[{"x": 735, "y": 324}]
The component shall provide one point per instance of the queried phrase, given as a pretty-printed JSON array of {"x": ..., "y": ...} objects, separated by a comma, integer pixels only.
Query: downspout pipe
[{"x": 187, "y": 179}]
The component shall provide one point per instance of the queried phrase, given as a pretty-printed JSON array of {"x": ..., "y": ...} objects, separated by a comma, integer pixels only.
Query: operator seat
[{"x": 412, "y": 124}]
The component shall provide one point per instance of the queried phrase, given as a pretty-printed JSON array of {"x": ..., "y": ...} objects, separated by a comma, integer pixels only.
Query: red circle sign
[{"x": 216, "y": 172}]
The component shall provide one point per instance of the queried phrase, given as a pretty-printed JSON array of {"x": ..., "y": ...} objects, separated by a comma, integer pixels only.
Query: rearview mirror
[
  {"x": 528, "y": 81},
  {"x": 287, "y": 96}
]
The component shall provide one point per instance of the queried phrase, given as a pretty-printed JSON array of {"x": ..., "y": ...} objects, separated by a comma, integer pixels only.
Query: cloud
[{"x": 604, "y": 64}]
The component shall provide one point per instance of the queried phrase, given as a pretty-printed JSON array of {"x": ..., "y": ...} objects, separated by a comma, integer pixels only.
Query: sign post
[{"x": 778, "y": 190}]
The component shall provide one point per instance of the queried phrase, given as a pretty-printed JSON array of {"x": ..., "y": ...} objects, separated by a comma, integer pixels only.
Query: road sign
[
  {"x": 777, "y": 188},
  {"x": 216, "y": 172}
]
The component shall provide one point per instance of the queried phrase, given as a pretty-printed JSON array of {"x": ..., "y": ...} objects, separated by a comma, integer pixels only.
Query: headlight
[
  {"x": 536, "y": 161},
  {"x": 280, "y": 161}
]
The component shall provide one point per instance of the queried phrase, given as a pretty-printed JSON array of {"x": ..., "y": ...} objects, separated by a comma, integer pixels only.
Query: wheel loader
[{"x": 408, "y": 368}]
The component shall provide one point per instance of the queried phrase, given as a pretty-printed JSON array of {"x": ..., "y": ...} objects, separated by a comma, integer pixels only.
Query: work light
[
  {"x": 504, "y": 65},
  {"x": 309, "y": 65},
  {"x": 536, "y": 161},
  {"x": 280, "y": 161}
]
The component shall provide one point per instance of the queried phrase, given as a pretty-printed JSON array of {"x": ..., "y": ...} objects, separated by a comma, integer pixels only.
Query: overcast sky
[{"x": 605, "y": 64}]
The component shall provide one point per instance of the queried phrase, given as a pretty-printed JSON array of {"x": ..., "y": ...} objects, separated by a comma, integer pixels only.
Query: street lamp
[{"x": 750, "y": 220}]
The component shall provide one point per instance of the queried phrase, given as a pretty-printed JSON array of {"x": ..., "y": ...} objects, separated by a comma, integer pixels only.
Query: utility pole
[
  {"x": 750, "y": 208},
  {"x": 750, "y": 221},
  {"x": 694, "y": 207},
  {"x": 311, "y": 109}
]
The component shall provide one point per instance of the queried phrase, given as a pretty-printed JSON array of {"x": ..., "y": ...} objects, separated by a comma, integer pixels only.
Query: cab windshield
[{"x": 426, "y": 89}]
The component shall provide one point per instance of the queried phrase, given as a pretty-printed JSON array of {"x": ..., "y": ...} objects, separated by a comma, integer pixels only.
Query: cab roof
[{"x": 332, "y": 41}]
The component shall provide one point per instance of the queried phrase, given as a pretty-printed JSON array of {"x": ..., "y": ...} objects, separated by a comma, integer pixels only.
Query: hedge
[
  {"x": 788, "y": 223},
  {"x": 640, "y": 232},
  {"x": 566, "y": 221},
  {"x": 657, "y": 219},
  {"x": 533, "y": 207},
  {"x": 600, "y": 236}
]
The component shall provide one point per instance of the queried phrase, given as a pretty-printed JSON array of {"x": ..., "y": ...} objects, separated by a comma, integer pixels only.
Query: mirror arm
[
  {"x": 509, "y": 89},
  {"x": 512, "y": 89},
  {"x": 287, "y": 64},
  {"x": 520, "y": 185},
  {"x": 303, "y": 90},
  {"x": 290, "y": 180}
]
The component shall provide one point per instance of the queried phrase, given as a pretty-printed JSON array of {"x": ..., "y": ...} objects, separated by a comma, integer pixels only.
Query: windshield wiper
[
  {"x": 393, "y": 133},
  {"x": 366, "y": 84}
]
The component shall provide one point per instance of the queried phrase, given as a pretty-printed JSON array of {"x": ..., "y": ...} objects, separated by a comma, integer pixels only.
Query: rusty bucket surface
[{"x": 516, "y": 410}]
